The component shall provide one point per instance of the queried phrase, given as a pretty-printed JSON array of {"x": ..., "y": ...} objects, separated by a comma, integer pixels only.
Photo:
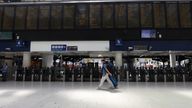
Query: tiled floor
[{"x": 85, "y": 95}]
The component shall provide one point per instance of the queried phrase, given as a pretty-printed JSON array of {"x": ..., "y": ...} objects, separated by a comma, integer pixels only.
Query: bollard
[
  {"x": 174, "y": 74},
  {"x": 137, "y": 75},
  {"x": 50, "y": 75},
  {"x": 146, "y": 77},
  {"x": 72, "y": 75},
  {"x": 118, "y": 75},
  {"x": 183, "y": 77},
  {"x": 118, "y": 78},
  {"x": 63, "y": 75},
  {"x": 165, "y": 78},
  {"x": 127, "y": 76},
  {"x": 24, "y": 71},
  {"x": 24, "y": 77},
  {"x": 155, "y": 77},
  {"x": 174, "y": 77},
  {"x": 41, "y": 75},
  {"x": 16, "y": 75},
  {"x": 137, "y": 78},
  {"x": 91, "y": 75},
  {"x": 81, "y": 75},
  {"x": 32, "y": 76}
]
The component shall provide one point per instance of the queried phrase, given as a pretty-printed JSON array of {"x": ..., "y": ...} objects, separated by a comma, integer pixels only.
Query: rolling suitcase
[{"x": 113, "y": 80}]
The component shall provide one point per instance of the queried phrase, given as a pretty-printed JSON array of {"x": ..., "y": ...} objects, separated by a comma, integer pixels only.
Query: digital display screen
[
  {"x": 6, "y": 35},
  {"x": 148, "y": 34}
]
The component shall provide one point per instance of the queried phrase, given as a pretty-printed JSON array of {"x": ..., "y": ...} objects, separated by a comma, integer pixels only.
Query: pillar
[
  {"x": 172, "y": 59},
  {"x": 47, "y": 60},
  {"x": 26, "y": 59},
  {"x": 118, "y": 59}
]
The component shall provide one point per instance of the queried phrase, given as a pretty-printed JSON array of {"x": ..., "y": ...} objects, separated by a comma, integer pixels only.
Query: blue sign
[
  {"x": 59, "y": 47},
  {"x": 118, "y": 42},
  {"x": 148, "y": 34},
  {"x": 20, "y": 43}
]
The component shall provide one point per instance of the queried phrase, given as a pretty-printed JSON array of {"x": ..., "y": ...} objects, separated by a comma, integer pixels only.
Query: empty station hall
[{"x": 95, "y": 53}]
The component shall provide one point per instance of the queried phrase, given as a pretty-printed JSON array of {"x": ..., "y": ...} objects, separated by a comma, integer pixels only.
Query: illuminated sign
[{"x": 58, "y": 47}]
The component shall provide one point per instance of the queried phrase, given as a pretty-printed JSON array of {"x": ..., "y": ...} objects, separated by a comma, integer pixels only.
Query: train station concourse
[{"x": 95, "y": 53}]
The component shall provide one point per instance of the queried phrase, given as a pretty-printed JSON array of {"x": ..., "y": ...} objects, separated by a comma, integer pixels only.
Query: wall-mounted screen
[
  {"x": 82, "y": 15},
  {"x": 148, "y": 33},
  {"x": 95, "y": 16},
  {"x": 8, "y": 18},
  {"x": 68, "y": 18},
  {"x": 6, "y": 35}
]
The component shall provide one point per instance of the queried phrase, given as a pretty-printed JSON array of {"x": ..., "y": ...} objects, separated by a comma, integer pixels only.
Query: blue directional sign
[
  {"x": 20, "y": 43},
  {"x": 58, "y": 47},
  {"x": 118, "y": 42}
]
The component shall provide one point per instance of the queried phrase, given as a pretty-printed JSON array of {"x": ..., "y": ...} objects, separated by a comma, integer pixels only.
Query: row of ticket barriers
[{"x": 86, "y": 74}]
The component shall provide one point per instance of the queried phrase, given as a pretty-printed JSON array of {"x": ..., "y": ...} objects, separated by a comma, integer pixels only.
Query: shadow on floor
[{"x": 111, "y": 90}]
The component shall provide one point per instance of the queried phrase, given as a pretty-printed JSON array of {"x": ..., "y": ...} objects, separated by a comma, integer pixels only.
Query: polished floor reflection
[{"x": 85, "y": 95}]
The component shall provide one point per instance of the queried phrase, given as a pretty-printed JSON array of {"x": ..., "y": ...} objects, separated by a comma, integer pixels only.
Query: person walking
[
  {"x": 105, "y": 75},
  {"x": 4, "y": 71}
]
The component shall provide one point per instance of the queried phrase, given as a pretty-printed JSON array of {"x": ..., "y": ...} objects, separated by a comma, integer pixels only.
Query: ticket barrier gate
[
  {"x": 45, "y": 74},
  {"x": 96, "y": 74},
  {"x": 132, "y": 75},
  {"x": 82, "y": 75},
  {"x": 19, "y": 74},
  {"x": 28, "y": 74},
  {"x": 37, "y": 74},
  {"x": 142, "y": 75},
  {"x": 160, "y": 75}
]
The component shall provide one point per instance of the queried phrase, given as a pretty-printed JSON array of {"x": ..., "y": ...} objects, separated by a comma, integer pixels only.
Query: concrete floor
[{"x": 85, "y": 95}]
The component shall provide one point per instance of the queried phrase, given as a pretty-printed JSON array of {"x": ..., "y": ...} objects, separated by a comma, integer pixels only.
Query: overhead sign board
[
  {"x": 58, "y": 47},
  {"x": 72, "y": 48}
]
